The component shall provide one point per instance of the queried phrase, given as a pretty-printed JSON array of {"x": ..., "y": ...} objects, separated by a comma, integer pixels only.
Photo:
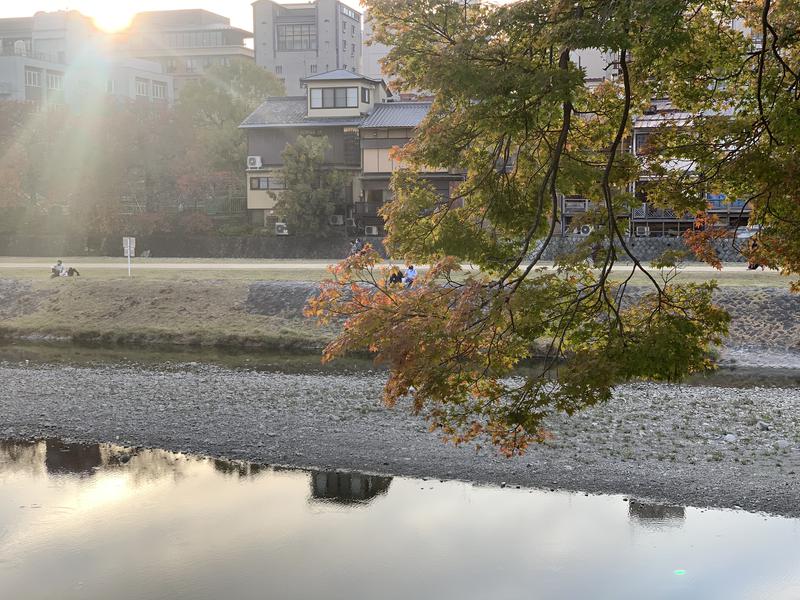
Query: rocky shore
[{"x": 689, "y": 445}]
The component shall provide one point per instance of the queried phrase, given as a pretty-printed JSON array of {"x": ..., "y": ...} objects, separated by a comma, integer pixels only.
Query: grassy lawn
[{"x": 197, "y": 307}]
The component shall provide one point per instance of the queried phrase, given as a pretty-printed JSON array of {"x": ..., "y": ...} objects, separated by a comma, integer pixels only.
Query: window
[
  {"x": 192, "y": 65},
  {"x": 334, "y": 97},
  {"x": 642, "y": 142},
  {"x": 55, "y": 81},
  {"x": 170, "y": 65},
  {"x": 141, "y": 87},
  {"x": 352, "y": 49},
  {"x": 33, "y": 78},
  {"x": 349, "y": 12},
  {"x": 267, "y": 183},
  {"x": 352, "y": 29},
  {"x": 312, "y": 68},
  {"x": 344, "y": 67},
  {"x": 297, "y": 37},
  {"x": 110, "y": 86},
  {"x": 159, "y": 90},
  {"x": 344, "y": 46},
  {"x": 278, "y": 70},
  {"x": 344, "y": 27},
  {"x": 365, "y": 95}
]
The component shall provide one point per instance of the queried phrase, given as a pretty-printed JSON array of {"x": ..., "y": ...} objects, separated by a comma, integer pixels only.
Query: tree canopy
[{"x": 514, "y": 110}]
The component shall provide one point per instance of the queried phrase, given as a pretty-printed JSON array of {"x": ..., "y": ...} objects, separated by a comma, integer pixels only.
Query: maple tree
[{"x": 513, "y": 109}]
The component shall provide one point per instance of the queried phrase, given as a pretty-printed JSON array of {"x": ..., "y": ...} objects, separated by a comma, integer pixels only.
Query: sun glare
[{"x": 111, "y": 20}]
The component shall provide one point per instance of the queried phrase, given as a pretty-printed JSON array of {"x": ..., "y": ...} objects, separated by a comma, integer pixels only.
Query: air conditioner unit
[
  {"x": 642, "y": 231},
  {"x": 350, "y": 222},
  {"x": 370, "y": 230},
  {"x": 336, "y": 220},
  {"x": 253, "y": 162},
  {"x": 281, "y": 229}
]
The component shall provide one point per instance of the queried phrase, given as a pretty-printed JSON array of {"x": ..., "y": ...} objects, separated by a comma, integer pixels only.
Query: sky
[{"x": 115, "y": 14}]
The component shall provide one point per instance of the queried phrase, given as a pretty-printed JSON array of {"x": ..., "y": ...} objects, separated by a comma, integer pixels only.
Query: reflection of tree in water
[
  {"x": 347, "y": 488},
  {"x": 656, "y": 514},
  {"x": 55, "y": 457},
  {"x": 22, "y": 457}
]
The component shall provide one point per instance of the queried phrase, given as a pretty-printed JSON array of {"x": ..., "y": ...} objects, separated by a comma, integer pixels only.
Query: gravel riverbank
[{"x": 689, "y": 445}]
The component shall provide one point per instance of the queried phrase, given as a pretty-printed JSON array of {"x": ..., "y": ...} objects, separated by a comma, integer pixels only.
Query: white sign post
[{"x": 129, "y": 248}]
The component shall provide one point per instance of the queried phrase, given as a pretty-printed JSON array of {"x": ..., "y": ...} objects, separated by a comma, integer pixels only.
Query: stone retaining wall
[
  {"x": 297, "y": 247},
  {"x": 647, "y": 249}
]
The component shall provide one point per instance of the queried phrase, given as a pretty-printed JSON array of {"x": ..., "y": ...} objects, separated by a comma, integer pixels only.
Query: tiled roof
[
  {"x": 340, "y": 75},
  {"x": 290, "y": 111},
  {"x": 397, "y": 114}
]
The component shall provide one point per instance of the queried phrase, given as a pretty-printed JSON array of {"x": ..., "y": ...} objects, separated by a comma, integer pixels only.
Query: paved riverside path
[{"x": 273, "y": 265}]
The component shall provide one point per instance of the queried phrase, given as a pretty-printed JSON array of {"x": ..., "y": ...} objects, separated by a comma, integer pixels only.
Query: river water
[{"x": 104, "y": 521}]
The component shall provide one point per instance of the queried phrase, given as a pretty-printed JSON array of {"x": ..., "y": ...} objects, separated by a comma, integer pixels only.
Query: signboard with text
[{"x": 129, "y": 246}]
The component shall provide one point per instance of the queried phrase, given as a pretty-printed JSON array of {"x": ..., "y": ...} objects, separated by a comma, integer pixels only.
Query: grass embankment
[
  {"x": 196, "y": 302},
  {"x": 180, "y": 311}
]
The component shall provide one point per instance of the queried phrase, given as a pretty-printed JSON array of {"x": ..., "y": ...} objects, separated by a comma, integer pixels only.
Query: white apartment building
[{"x": 62, "y": 58}]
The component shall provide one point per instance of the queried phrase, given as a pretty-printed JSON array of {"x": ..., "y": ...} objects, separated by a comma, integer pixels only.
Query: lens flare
[{"x": 111, "y": 20}]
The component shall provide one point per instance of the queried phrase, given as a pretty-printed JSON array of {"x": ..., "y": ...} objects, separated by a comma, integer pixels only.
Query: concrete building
[
  {"x": 185, "y": 42},
  {"x": 295, "y": 41},
  {"x": 63, "y": 58},
  {"x": 372, "y": 52}
]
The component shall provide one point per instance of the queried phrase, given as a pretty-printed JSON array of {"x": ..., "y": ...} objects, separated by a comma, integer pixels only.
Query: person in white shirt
[
  {"x": 58, "y": 269},
  {"x": 411, "y": 275}
]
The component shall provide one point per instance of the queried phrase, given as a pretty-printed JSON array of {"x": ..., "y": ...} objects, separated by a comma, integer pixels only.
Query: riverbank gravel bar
[{"x": 680, "y": 444}]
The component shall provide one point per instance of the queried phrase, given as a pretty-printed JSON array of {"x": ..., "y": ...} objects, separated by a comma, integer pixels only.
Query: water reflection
[
  {"x": 58, "y": 458},
  {"x": 347, "y": 488},
  {"x": 103, "y": 521},
  {"x": 656, "y": 515},
  {"x": 79, "y": 459}
]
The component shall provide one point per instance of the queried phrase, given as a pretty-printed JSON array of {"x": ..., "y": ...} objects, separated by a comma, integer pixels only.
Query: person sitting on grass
[
  {"x": 57, "y": 269},
  {"x": 61, "y": 270},
  {"x": 411, "y": 275},
  {"x": 395, "y": 276}
]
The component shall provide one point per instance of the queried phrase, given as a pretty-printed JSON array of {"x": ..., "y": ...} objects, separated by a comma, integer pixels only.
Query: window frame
[
  {"x": 35, "y": 81},
  {"x": 296, "y": 37},
  {"x": 139, "y": 81},
  {"x": 159, "y": 90},
  {"x": 55, "y": 81},
  {"x": 264, "y": 183},
  {"x": 333, "y": 97}
]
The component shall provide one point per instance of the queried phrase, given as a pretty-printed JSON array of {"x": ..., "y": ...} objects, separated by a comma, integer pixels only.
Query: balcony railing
[
  {"x": 651, "y": 212},
  {"x": 719, "y": 202},
  {"x": 52, "y": 58}
]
